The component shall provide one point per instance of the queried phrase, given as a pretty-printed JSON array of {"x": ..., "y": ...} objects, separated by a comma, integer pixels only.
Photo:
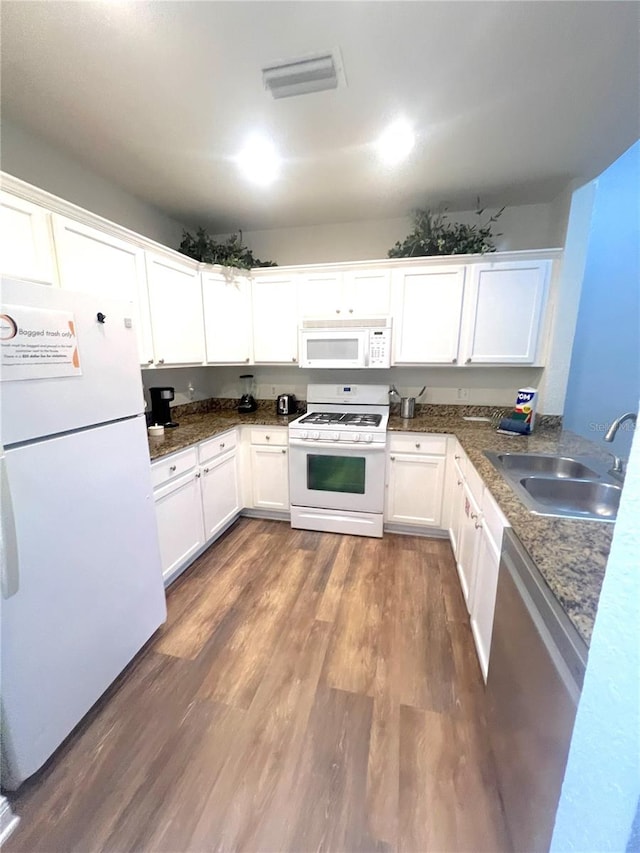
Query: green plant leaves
[
  {"x": 433, "y": 234},
  {"x": 229, "y": 253}
]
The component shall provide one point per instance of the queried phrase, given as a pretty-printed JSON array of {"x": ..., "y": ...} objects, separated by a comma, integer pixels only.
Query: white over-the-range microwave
[{"x": 349, "y": 343}]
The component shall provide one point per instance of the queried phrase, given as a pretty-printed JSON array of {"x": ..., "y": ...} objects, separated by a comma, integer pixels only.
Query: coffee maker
[
  {"x": 247, "y": 400},
  {"x": 160, "y": 411}
]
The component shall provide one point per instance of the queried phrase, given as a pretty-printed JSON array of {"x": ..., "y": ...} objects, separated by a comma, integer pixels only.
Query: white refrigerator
[{"x": 82, "y": 587}]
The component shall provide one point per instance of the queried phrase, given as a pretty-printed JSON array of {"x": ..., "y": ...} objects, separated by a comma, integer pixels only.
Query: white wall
[
  {"x": 532, "y": 226},
  {"x": 30, "y": 158},
  {"x": 486, "y": 386},
  {"x": 602, "y": 781}
]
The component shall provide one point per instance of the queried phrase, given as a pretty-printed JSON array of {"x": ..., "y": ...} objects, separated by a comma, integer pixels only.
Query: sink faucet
[{"x": 618, "y": 464}]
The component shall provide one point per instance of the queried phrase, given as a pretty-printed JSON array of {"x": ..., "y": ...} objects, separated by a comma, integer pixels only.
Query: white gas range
[{"x": 337, "y": 459}]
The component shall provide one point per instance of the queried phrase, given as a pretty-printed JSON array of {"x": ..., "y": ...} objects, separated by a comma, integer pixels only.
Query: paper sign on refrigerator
[{"x": 37, "y": 343}]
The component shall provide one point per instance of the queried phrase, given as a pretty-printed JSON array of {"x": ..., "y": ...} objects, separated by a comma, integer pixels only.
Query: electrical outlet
[{"x": 463, "y": 394}]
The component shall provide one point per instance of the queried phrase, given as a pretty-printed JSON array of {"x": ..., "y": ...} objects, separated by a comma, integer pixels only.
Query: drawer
[
  {"x": 213, "y": 447},
  {"x": 475, "y": 483},
  {"x": 172, "y": 466},
  {"x": 494, "y": 520},
  {"x": 417, "y": 442},
  {"x": 277, "y": 435}
]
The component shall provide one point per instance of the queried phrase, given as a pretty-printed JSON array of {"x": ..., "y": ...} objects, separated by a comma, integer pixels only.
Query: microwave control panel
[{"x": 380, "y": 348}]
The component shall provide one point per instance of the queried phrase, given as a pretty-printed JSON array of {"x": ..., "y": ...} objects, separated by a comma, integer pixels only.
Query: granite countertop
[{"x": 571, "y": 555}]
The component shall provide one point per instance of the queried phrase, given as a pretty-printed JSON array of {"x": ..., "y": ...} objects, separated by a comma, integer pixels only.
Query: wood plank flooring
[{"x": 309, "y": 692}]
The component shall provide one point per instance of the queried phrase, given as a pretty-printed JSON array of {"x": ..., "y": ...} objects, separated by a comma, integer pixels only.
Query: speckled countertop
[{"x": 571, "y": 555}]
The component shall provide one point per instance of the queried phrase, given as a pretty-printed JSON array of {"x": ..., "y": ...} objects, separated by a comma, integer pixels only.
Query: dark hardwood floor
[{"x": 309, "y": 692}]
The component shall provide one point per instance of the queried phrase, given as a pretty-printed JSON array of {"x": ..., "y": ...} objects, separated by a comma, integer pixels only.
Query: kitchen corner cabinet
[
  {"x": 26, "y": 243},
  {"x": 227, "y": 318},
  {"x": 427, "y": 313},
  {"x": 340, "y": 295},
  {"x": 275, "y": 319},
  {"x": 503, "y": 311},
  {"x": 415, "y": 480},
  {"x": 269, "y": 461},
  {"x": 175, "y": 300},
  {"x": 96, "y": 263}
]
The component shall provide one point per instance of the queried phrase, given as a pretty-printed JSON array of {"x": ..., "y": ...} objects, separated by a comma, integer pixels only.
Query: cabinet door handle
[
  {"x": 474, "y": 515},
  {"x": 294, "y": 359},
  {"x": 268, "y": 437},
  {"x": 477, "y": 526},
  {"x": 222, "y": 444},
  {"x": 284, "y": 451},
  {"x": 392, "y": 458},
  {"x": 247, "y": 359},
  {"x": 418, "y": 445},
  {"x": 350, "y": 310},
  {"x": 337, "y": 310},
  {"x": 454, "y": 361},
  {"x": 150, "y": 361},
  {"x": 161, "y": 361},
  {"x": 172, "y": 468},
  {"x": 198, "y": 475},
  {"x": 468, "y": 361},
  {"x": 205, "y": 470},
  {"x": 456, "y": 457}
]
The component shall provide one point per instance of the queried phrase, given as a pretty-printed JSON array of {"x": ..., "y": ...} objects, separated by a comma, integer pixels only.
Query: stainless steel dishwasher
[{"x": 536, "y": 671}]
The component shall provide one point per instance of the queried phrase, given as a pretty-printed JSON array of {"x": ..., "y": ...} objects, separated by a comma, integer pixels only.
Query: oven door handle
[{"x": 379, "y": 447}]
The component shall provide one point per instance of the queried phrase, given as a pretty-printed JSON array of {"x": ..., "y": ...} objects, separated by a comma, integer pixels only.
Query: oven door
[
  {"x": 334, "y": 348},
  {"x": 332, "y": 475}
]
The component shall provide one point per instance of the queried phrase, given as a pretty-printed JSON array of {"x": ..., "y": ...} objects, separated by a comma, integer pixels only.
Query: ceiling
[{"x": 510, "y": 100}]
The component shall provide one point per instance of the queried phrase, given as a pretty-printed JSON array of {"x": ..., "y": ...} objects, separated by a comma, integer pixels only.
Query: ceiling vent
[{"x": 302, "y": 76}]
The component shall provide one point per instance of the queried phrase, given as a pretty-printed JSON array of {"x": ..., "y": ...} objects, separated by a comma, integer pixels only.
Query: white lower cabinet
[
  {"x": 179, "y": 516},
  {"x": 468, "y": 543},
  {"x": 196, "y": 497},
  {"x": 269, "y": 464},
  {"x": 484, "y": 595},
  {"x": 415, "y": 480}
]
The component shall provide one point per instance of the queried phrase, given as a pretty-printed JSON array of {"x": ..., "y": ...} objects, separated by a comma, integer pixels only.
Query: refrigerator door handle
[{"x": 9, "y": 565}]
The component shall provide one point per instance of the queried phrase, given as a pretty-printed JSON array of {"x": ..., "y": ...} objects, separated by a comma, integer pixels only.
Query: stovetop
[{"x": 342, "y": 419}]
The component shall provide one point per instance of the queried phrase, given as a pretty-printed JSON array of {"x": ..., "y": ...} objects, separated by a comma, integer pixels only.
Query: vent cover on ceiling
[{"x": 302, "y": 76}]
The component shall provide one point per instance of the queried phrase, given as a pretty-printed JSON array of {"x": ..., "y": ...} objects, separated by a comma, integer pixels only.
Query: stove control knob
[
  {"x": 315, "y": 435},
  {"x": 304, "y": 434},
  {"x": 335, "y": 436},
  {"x": 356, "y": 436},
  {"x": 368, "y": 437}
]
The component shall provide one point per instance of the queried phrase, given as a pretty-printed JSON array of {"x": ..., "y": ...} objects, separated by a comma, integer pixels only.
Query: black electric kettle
[{"x": 286, "y": 404}]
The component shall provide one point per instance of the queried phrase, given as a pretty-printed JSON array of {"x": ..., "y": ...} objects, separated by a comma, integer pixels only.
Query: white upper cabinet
[
  {"x": 26, "y": 245},
  {"x": 503, "y": 312},
  {"x": 93, "y": 262},
  {"x": 275, "y": 319},
  {"x": 227, "y": 318},
  {"x": 339, "y": 295},
  {"x": 175, "y": 298},
  {"x": 427, "y": 311}
]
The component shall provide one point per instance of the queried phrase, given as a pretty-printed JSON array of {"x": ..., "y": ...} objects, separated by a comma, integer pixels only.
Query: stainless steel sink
[
  {"x": 575, "y": 498},
  {"x": 556, "y": 466},
  {"x": 560, "y": 486}
]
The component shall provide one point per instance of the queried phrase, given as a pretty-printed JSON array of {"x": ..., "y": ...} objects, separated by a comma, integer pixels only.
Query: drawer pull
[
  {"x": 284, "y": 451},
  {"x": 337, "y": 310},
  {"x": 459, "y": 482},
  {"x": 457, "y": 457},
  {"x": 478, "y": 526},
  {"x": 268, "y": 437},
  {"x": 392, "y": 458},
  {"x": 198, "y": 475},
  {"x": 474, "y": 515},
  {"x": 222, "y": 444},
  {"x": 173, "y": 468},
  {"x": 205, "y": 470},
  {"x": 418, "y": 445}
]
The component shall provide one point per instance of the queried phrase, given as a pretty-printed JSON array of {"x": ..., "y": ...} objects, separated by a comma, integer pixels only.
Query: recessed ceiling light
[
  {"x": 396, "y": 143},
  {"x": 258, "y": 161}
]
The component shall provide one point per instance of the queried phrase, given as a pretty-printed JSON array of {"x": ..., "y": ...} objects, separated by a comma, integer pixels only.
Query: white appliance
[
  {"x": 81, "y": 576},
  {"x": 349, "y": 343},
  {"x": 337, "y": 459}
]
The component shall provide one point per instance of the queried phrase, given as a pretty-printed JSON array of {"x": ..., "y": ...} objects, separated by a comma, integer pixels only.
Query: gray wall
[{"x": 29, "y": 157}]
